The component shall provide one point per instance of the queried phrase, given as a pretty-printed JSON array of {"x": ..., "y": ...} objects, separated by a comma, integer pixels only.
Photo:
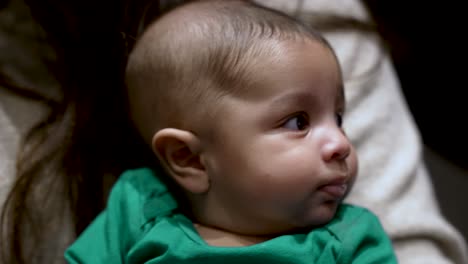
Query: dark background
[
  {"x": 428, "y": 46},
  {"x": 427, "y": 42}
]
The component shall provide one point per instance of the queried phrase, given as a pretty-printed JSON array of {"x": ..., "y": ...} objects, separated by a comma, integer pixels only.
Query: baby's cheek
[
  {"x": 353, "y": 166},
  {"x": 353, "y": 163}
]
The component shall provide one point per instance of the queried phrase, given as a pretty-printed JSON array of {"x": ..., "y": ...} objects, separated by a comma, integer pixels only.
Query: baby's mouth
[{"x": 335, "y": 190}]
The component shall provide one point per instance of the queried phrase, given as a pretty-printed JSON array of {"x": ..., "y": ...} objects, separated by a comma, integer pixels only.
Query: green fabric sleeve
[
  {"x": 363, "y": 240},
  {"x": 113, "y": 232}
]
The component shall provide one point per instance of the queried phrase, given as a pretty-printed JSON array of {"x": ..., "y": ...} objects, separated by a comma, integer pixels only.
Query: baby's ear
[{"x": 178, "y": 151}]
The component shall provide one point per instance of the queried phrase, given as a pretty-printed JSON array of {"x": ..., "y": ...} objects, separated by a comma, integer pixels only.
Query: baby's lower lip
[{"x": 334, "y": 190}]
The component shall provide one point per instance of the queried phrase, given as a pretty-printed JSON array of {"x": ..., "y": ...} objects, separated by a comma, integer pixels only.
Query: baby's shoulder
[
  {"x": 358, "y": 233},
  {"x": 140, "y": 193},
  {"x": 142, "y": 181},
  {"x": 351, "y": 219}
]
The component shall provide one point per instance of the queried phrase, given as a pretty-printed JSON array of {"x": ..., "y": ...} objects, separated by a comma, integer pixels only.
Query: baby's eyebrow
[
  {"x": 296, "y": 98},
  {"x": 305, "y": 97}
]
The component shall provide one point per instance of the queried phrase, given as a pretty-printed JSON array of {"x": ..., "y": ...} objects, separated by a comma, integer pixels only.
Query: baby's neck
[{"x": 222, "y": 238}]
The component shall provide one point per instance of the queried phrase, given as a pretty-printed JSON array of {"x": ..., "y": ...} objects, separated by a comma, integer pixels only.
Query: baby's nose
[{"x": 336, "y": 146}]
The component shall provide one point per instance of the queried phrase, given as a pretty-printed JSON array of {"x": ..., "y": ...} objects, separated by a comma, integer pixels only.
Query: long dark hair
[{"x": 71, "y": 158}]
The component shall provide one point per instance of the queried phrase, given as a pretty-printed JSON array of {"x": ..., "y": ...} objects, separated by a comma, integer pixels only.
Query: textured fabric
[
  {"x": 16, "y": 117},
  {"x": 141, "y": 225},
  {"x": 8, "y": 146}
]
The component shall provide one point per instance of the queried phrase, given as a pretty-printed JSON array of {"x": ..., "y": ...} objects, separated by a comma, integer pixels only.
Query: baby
[{"x": 243, "y": 108}]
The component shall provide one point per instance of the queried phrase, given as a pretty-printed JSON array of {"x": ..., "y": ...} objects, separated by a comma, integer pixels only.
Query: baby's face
[{"x": 279, "y": 159}]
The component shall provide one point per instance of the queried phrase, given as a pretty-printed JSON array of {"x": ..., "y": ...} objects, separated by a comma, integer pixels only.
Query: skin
[{"x": 276, "y": 160}]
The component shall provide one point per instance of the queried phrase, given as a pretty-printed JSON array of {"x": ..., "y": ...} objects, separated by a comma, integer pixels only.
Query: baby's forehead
[{"x": 293, "y": 63}]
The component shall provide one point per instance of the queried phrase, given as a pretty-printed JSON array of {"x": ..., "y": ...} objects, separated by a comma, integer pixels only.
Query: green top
[{"x": 141, "y": 225}]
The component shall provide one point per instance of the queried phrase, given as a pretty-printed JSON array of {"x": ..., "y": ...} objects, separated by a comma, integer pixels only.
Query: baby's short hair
[{"x": 199, "y": 52}]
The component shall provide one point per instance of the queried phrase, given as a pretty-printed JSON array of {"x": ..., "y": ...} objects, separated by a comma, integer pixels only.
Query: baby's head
[{"x": 243, "y": 106}]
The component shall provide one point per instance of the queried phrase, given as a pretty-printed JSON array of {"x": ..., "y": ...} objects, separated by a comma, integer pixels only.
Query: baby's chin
[{"x": 319, "y": 216}]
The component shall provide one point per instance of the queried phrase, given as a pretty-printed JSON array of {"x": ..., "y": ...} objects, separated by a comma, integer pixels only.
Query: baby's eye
[
  {"x": 297, "y": 122},
  {"x": 339, "y": 119}
]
